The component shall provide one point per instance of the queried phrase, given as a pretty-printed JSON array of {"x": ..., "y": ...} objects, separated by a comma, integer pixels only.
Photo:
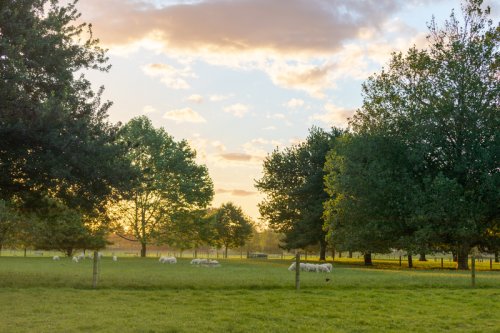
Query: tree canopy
[
  {"x": 439, "y": 108},
  {"x": 170, "y": 183},
  {"x": 294, "y": 189}
]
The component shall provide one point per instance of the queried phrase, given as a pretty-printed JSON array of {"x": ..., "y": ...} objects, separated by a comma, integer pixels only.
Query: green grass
[{"x": 134, "y": 295}]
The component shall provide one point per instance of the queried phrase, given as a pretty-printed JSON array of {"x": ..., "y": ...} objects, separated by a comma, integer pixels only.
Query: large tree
[
  {"x": 232, "y": 227},
  {"x": 55, "y": 141},
  {"x": 442, "y": 104},
  {"x": 170, "y": 183},
  {"x": 54, "y": 137},
  {"x": 294, "y": 189}
]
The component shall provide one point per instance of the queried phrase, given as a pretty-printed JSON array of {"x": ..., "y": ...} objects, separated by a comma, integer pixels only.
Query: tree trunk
[
  {"x": 463, "y": 257},
  {"x": 143, "y": 250},
  {"x": 69, "y": 252},
  {"x": 422, "y": 257},
  {"x": 454, "y": 255},
  {"x": 196, "y": 253},
  {"x": 368, "y": 258},
  {"x": 340, "y": 254},
  {"x": 497, "y": 259},
  {"x": 225, "y": 252},
  {"x": 322, "y": 250},
  {"x": 350, "y": 254},
  {"x": 25, "y": 252},
  {"x": 410, "y": 261}
]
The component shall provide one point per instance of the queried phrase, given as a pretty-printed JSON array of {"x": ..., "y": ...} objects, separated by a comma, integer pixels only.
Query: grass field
[{"x": 141, "y": 295}]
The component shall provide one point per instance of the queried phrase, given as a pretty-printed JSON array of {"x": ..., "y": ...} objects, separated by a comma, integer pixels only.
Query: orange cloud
[
  {"x": 235, "y": 192},
  {"x": 291, "y": 26}
]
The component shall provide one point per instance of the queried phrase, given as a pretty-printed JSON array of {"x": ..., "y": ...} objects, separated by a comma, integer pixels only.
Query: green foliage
[
  {"x": 170, "y": 184},
  {"x": 55, "y": 142},
  {"x": 438, "y": 109},
  {"x": 54, "y": 137},
  {"x": 293, "y": 185},
  {"x": 231, "y": 226}
]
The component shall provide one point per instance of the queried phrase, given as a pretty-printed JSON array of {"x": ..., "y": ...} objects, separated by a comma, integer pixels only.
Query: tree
[
  {"x": 55, "y": 142},
  {"x": 442, "y": 104},
  {"x": 233, "y": 228},
  {"x": 294, "y": 189},
  {"x": 170, "y": 182},
  {"x": 372, "y": 195},
  {"x": 8, "y": 220}
]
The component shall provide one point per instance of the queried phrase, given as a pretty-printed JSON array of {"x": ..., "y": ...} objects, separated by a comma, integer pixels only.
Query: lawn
[{"x": 141, "y": 295}]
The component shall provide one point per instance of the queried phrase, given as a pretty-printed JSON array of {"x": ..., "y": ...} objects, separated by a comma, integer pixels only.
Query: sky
[{"x": 240, "y": 78}]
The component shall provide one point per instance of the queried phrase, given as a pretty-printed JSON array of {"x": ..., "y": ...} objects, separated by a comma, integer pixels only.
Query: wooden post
[
  {"x": 442, "y": 265},
  {"x": 399, "y": 261},
  {"x": 297, "y": 271},
  {"x": 473, "y": 270},
  {"x": 491, "y": 264},
  {"x": 94, "y": 271}
]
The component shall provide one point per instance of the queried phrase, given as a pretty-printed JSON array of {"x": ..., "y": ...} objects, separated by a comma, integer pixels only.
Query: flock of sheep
[
  {"x": 82, "y": 257},
  {"x": 198, "y": 262},
  {"x": 307, "y": 267}
]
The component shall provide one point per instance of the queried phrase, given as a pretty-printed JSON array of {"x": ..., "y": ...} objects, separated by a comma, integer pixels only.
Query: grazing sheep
[
  {"x": 55, "y": 258},
  {"x": 327, "y": 266},
  {"x": 168, "y": 260},
  {"x": 292, "y": 267},
  {"x": 81, "y": 257},
  {"x": 75, "y": 259},
  {"x": 115, "y": 258}
]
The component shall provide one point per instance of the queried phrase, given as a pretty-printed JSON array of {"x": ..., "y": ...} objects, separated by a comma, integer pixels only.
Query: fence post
[
  {"x": 442, "y": 265},
  {"x": 473, "y": 270},
  {"x": 399, "y": 261},
  {"x": 95, "y": 269},
  {"x": 491, "y": 264},
  {"x": 297, "y": 271}
]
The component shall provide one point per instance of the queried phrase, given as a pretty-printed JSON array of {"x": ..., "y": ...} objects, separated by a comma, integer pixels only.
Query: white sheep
[
  {"x": 168, "y": 260},
  {"x": 115, "y": 258},
  {"x": 75, "y": 259},
  {"x": 81, "y": 257},
  {"x": 55, "y": 258},
  {"x": 326, "y": 267}
]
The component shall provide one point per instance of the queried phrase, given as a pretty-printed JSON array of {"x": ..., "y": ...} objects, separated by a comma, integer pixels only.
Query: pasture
[{"x": 142, "y": 295}]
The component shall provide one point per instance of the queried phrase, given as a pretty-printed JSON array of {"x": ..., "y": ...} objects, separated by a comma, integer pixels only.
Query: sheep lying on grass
[
  {"x": 168, "y": 260},
  {"x": 205, "y": 262},
  {"x": 75, "y": 259},
  {"x": 307, "y": 267},
  {"x": 55, "y": 258}
]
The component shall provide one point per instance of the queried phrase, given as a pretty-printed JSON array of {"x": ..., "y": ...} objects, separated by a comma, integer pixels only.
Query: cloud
[
  {"x": 235, "y": 192},
  {"x": 306, "y": 45},
  {"x": 185, "y": 115},
  {"x": 294, "y": 103},
  {"x": 148, "y": 109},
  {"x": 237, "y": 110},
  {"x": 334, "y": 115},
  {"x": 311, "y": 78},
  {"x": 172, "y": 77},
  {"x": 195, "y": 98},
  {"x": 239, "y": 157},
  {"x": 270, "y": 128},
  {"x": 294, "y": 26}
]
